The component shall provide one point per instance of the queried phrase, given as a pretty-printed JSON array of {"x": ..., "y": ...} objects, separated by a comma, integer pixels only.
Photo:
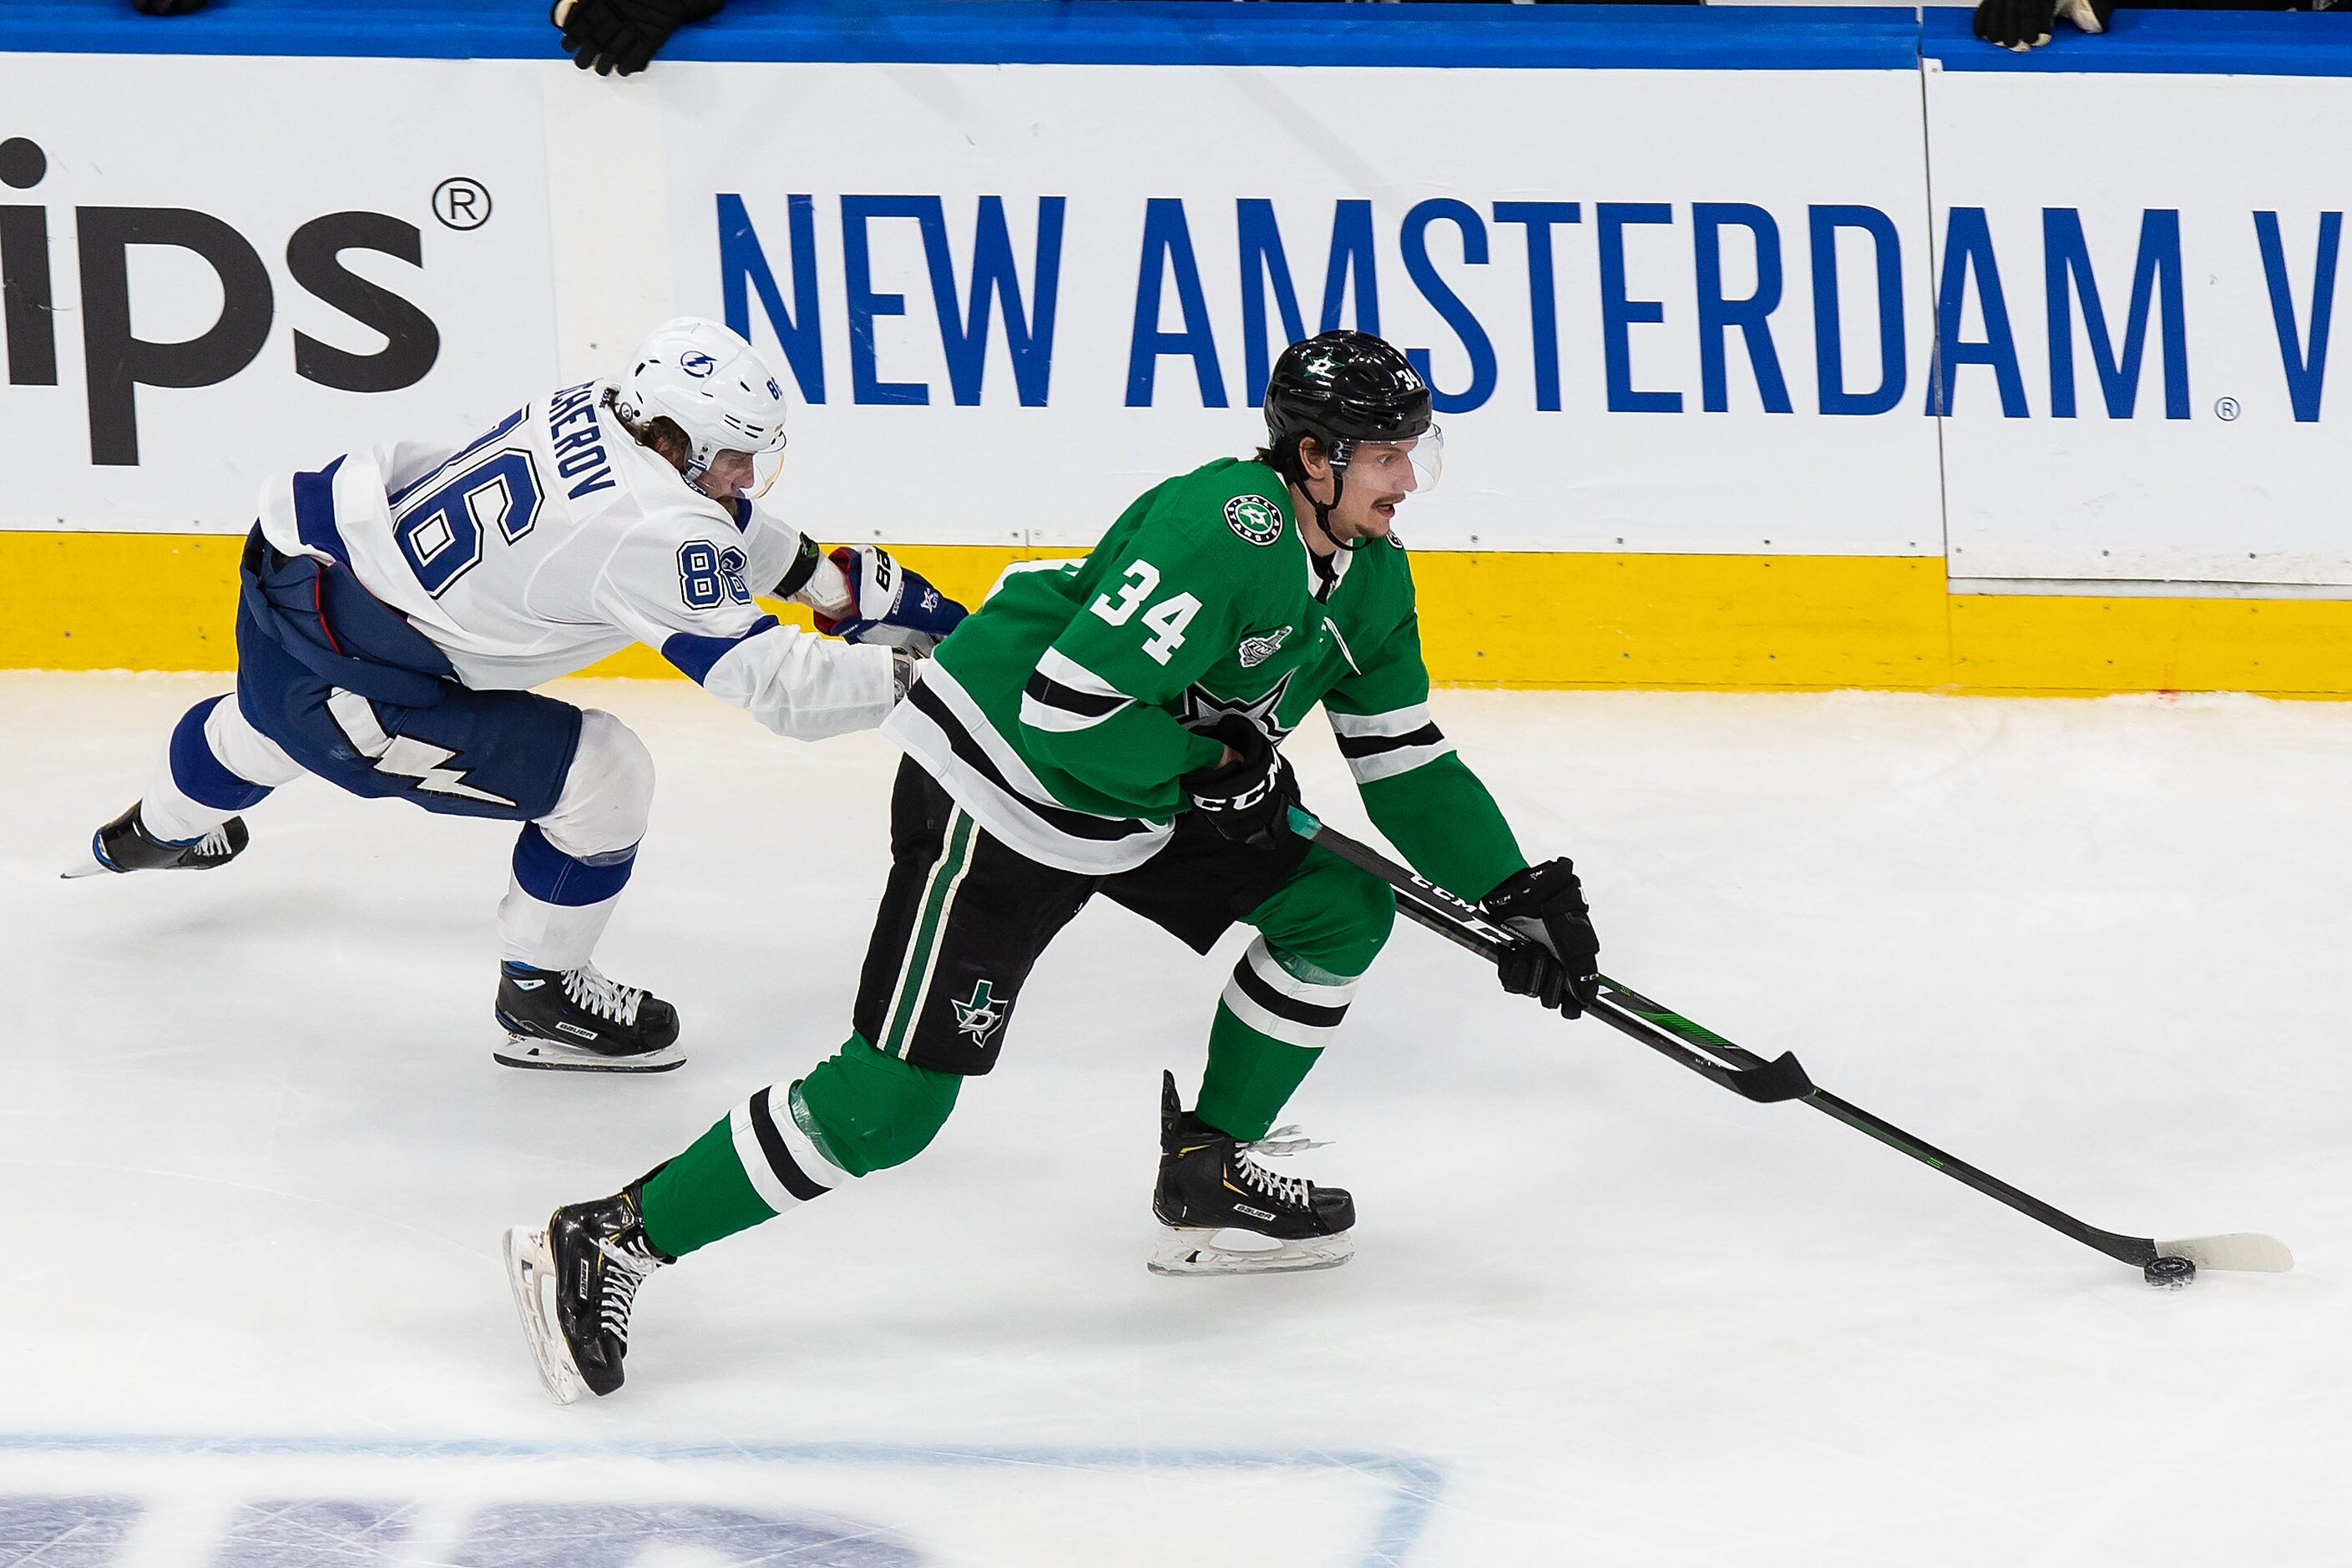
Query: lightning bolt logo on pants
[{"x": 402, "y": 755}]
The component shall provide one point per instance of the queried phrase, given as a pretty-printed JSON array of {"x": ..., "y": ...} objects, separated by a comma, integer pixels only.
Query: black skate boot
[
  {"x": 577, "y": 1020},
  {"x": 574, "y": 1282},
  {"x": 1209, "y": 1183},
  {"x": 125, "y": 845}
]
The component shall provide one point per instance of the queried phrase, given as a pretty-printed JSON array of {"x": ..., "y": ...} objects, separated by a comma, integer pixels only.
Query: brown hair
[
  {"x": 661, "y": 434},
  {"x": 1283, "y": 458},
  {"x": 664, "y": 435}
]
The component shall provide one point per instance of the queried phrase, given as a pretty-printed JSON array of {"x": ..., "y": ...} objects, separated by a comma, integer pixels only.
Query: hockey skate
[
  {"x": 1212, "y": 1187},
  {"x": 125, "y": 845},
  {"x": 576, "y": 1020},
  {"x": 574, "y": 1282}
]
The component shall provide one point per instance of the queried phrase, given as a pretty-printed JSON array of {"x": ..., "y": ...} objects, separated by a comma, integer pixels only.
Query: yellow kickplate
[{"x": 158, "y": 601}]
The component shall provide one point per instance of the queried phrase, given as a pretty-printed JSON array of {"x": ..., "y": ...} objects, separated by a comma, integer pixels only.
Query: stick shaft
[
  {"x": 1464, "y": 936},
  {"x": 1672, "y": 1035},
  {"x": 1467, "y": 925},
  {"x": 2134, "y": 1250}
]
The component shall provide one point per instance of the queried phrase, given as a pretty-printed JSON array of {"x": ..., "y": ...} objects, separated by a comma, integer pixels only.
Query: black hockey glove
[
  {"x": 1247, "y": 799},
  {"x": 2027, "y": 24},
  {"x": 2016, "y": 24},
  {"x": 609, "y": 36},
  {"x": 167, "y": 7},
  {"x": 1559, "y": 965}
]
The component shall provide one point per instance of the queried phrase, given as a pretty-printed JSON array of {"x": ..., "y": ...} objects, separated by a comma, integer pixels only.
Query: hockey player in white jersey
[{"x": 398, "y": 604}]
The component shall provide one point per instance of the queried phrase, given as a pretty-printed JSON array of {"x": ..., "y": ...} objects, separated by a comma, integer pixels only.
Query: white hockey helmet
[{"x": 711, "y": 383}]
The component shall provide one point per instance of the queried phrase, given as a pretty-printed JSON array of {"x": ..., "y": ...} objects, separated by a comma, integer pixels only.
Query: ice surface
[{"x": 258, "y": 1159}]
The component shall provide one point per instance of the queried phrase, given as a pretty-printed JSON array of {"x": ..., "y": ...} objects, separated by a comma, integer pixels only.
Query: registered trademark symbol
[
  {"x": 461, "y": 203},
  {"x": 2227, "y": 410}
]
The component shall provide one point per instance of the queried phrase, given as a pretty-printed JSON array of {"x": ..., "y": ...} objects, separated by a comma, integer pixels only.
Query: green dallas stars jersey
[{"x": 1062, "y": 713}]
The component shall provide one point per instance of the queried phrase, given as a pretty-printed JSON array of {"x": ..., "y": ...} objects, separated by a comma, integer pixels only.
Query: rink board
[
  {"x": 130, "y": 601},
  {"x": 1742, "y": 325}
]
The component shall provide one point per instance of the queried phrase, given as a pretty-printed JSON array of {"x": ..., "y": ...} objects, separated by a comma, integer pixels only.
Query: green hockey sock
[
  {"x": 1251, "y": 1077},
  {"x": 868, "y": 1110},
  {"x": 859, "y": 1111},
  {"x": 701, "y": 1195}
]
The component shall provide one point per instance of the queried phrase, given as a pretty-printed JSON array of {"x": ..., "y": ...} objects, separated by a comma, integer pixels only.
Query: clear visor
[
  {"x": 1412, "y": 466},
  {"x": 766, "y": 469},
  {"x": 732, "y": 473}
]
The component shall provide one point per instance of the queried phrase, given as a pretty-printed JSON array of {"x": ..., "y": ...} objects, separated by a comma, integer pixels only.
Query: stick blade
[{"x": 2241, "y": 1250}]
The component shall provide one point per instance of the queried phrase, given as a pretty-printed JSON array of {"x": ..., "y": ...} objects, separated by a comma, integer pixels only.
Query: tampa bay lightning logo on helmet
[{"x": 707, "y": 380}]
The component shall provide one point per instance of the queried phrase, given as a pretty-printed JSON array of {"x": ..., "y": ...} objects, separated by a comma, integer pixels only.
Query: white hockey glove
[{"x": 888, "y": 604}]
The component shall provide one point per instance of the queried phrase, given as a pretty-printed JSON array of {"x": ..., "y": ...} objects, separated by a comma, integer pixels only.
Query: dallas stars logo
[
  {"x": 1254, "y": 518},
  {"x": 979, "y": 1015},
  {"x": 1202, "y": 710}
]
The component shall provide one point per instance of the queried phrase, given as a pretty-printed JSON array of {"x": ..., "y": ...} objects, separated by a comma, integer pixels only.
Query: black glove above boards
[
  {"x": 1559, "y": 964},
  {"x": 2026, "y": 24},
  {"x": 609, "y": 36},
  {"x": 1248, "y": 797}
]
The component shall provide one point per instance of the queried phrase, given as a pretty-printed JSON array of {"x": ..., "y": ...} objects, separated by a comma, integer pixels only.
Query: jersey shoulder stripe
[
  {"x": 1383, "y": 745},
  {"x": 694, "y": 655},
  {"x": 1063, "y": 695},
  {"x": 1370, "y": 726}
]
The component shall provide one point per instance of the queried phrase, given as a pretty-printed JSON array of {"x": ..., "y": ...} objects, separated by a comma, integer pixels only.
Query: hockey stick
[
  {"x": 1465, "y": 925},
  {"x": 2170, "y": 1263}
]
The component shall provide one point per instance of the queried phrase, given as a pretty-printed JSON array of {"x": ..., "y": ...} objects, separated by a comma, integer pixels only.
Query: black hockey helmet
[{"x": 1342, "y": 387}]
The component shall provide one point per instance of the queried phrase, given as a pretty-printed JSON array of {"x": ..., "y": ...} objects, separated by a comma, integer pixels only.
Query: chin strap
[
  {"x": 1327, "y": 569},
  {"x": 1340, "y": 452},
  {"x": 1323, "y": 509}
]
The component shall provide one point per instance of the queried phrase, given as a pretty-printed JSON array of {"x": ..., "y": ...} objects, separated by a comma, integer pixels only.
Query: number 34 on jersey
[{"x": 1168, "y": 618}]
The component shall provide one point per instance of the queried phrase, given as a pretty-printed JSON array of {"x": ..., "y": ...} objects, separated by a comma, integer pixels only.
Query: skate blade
[
  {"x": 554, "y": 1056},
  {"x": 85, "y": 864},
  {"x": 531, "y": 1275},
  {"x": 1184, "y": 1253}
]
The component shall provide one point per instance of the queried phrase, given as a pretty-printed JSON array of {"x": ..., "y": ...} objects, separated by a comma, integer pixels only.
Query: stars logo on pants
[{"x": 979, "y": 1015}]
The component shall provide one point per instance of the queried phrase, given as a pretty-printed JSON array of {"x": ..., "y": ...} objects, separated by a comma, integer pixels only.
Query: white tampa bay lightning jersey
[{"x": 554, "y": 539}]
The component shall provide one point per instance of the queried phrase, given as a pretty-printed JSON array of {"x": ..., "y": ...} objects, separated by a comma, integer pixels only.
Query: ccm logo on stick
[{"x": 119, "y": 363}]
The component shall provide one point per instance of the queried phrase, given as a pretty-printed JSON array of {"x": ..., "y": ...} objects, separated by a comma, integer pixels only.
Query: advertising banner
[
  {"x": 216, "y": 268},
  {"x": 1010, "y": 299},
  {"x": 1666, "y": 311},
  {"x": 2136, "y": 288}
]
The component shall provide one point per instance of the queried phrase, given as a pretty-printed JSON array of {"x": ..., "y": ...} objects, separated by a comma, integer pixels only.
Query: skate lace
[
  {"x": 214, "y": 843},
  {"x": 625, "y": 1270},
  {"x": 591, "y": 990},
  {"x": 1279, "y": 1144}
]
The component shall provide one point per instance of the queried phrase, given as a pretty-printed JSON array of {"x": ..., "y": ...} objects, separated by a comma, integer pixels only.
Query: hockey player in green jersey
[{"x": 1112, "y": 726}]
